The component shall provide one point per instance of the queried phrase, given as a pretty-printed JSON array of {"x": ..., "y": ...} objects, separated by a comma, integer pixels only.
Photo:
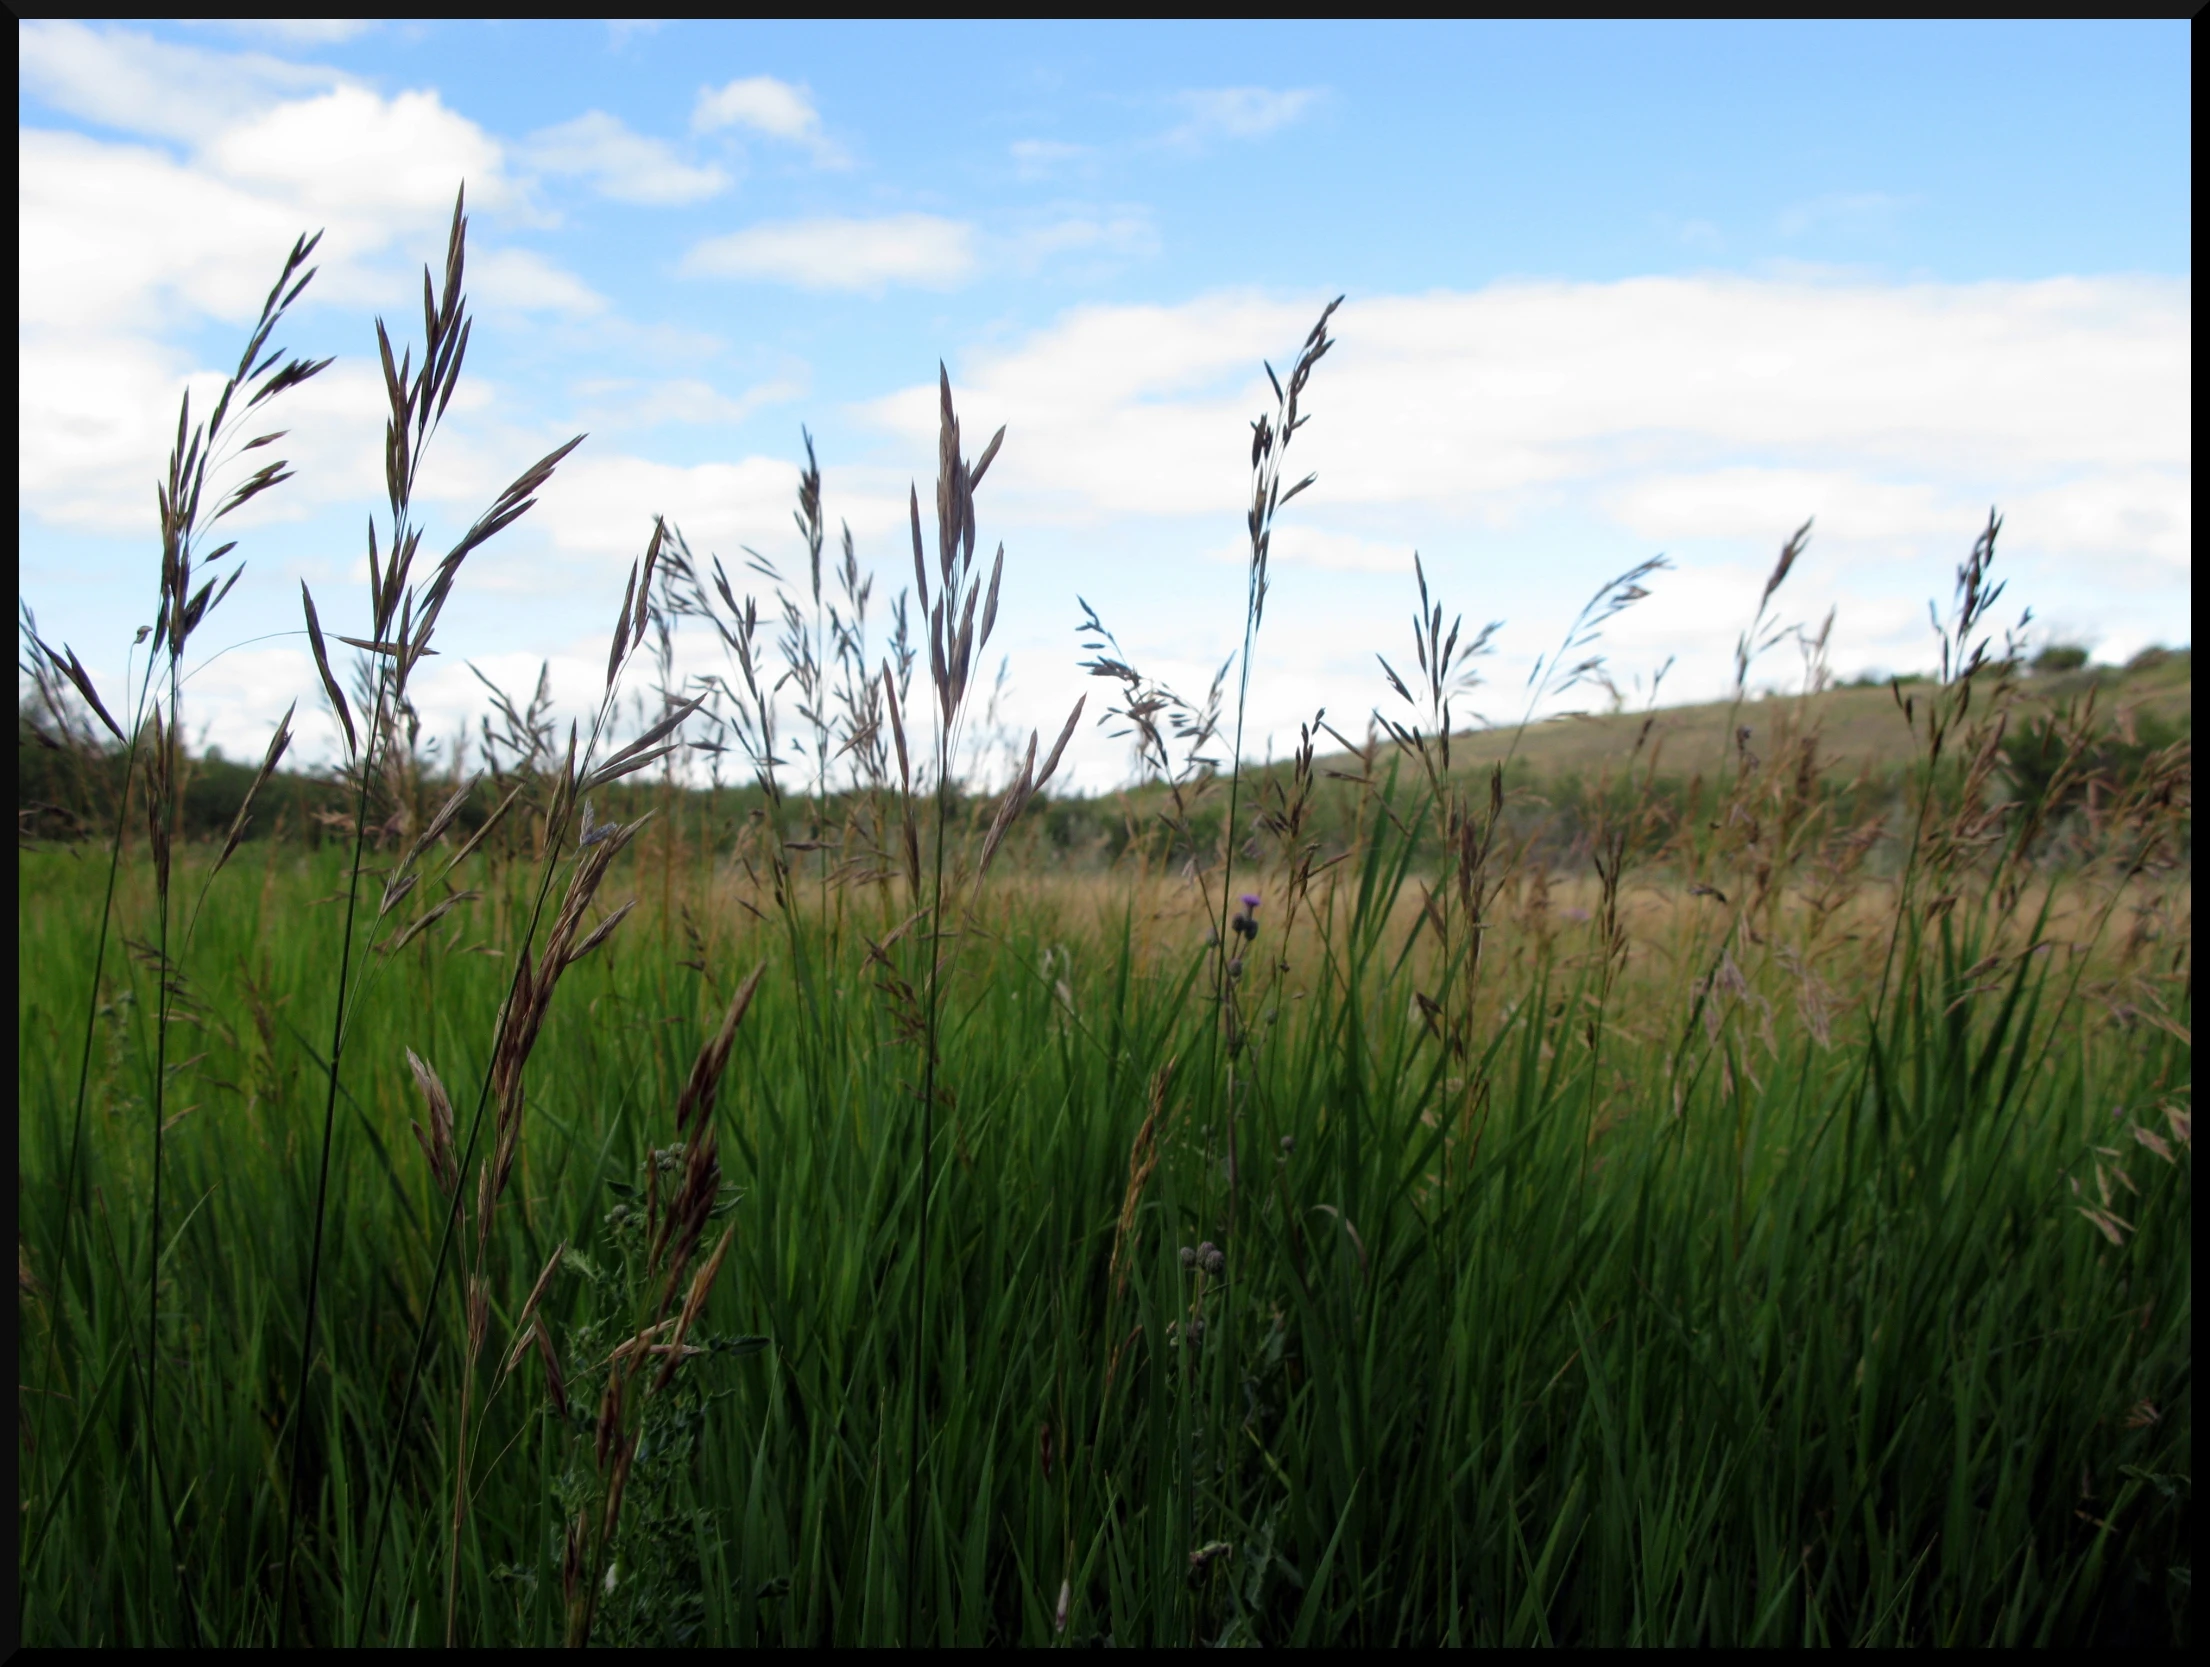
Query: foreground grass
[{"x": 1713, "y": 1290}]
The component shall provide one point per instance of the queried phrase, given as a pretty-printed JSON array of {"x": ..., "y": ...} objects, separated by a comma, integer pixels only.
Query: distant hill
[{"x": 1859, "y": 724}]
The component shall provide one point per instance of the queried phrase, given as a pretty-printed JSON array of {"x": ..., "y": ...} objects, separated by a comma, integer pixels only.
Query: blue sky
[{"x": 1612, "y": 290}]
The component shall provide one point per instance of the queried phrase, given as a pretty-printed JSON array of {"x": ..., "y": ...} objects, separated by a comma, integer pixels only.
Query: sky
[{"x": 1611, "y": 292}]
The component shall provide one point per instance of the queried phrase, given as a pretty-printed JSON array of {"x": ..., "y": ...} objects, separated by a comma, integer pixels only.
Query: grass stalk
[
  {"x": 403, "y": 620},
  {"x": 50, "y": 668},
  {"x": 1270, "y": 439}
]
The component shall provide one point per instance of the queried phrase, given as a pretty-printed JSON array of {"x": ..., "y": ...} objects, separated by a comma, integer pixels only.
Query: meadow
[{"x": 1441, "y": 1187}]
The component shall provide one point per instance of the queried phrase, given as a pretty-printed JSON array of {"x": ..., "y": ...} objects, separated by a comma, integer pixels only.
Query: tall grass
[
  {"x": 1770, "y": 1250},
  {"x": 205, "y": 454}
]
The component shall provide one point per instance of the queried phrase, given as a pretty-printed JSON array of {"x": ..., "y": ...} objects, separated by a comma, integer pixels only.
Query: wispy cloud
[
  {"x": 1238, "y": 112},
  {"x": 775, "y": 109},
  {"x": 834, "y": 252},
  {"x": 287, "y": 31},
  {"x": 631, "y": 404},
  {"x": 1845, "y": 211},
  {"x": 120, "y": 79},
  {"x": 1208, "y": 114},
  {"x": 1694, "y": 233},
  {"x": 1102, "y": 235},
  {"x": 523, "y": 281},
  {"x": 1045, "y": 158},
  {"x": 626, "y": 166}
]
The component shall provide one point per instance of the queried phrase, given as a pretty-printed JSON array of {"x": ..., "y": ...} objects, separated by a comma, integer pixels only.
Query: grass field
[{"x": 1348, "y": 1216}]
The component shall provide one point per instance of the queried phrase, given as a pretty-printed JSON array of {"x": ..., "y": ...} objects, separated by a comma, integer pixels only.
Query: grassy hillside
[
  {"x": 1572, "y": 781},
  {"x": 1860, "y": 727},
  {"x": 1861, "y": 733}
]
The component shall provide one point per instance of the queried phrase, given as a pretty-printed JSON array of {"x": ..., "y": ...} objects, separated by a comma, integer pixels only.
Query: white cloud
[
  {"x": 868, "y": 255},
  {"x": 775, "y": 109},
  {"x": 120, "y": 236},
  {"x": 1531, "y": 439},
  {"x": 524, "y": 281},
  {"x": 2135, "y": 526},
  {"x": 97, "y": 418},
  {"x": 84, "y": 417},
  {"x": 605, "y": 504},
  {"x": 351, "y": 151},
  {"x": 1298, "y": 543},
  {"x": 626, "y": 166},
  {"x": 136, "y": 84},
  {"x": 1748, "y": 502},
  {"x": 237, "y": 694},
  {"x": 597, "y": 510},
  {"x": 124, "y": 245},
  {"x": 1117, "y": 409},
  {"x": 1463, "y": 399},
  {"x": 1239, "y": 112},
  {"x": 833, "y": 252}
]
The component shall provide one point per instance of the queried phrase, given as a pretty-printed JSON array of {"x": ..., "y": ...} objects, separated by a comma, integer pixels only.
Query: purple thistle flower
[{"x": 1245, "y": 925}]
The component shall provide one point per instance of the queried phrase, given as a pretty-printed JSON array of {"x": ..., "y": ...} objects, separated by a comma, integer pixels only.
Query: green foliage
[
  {"x": 2041, "y": 769},
  {"x": 655, "y": 1595},
  {"x": 1709, "y": 1333},
  {"x": 65, "y": 796}
]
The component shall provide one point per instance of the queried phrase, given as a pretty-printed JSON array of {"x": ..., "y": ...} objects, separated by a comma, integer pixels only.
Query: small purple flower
[
  {"x": 1245, "y": 925},
  {"x": 1250, "y": 904}
]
